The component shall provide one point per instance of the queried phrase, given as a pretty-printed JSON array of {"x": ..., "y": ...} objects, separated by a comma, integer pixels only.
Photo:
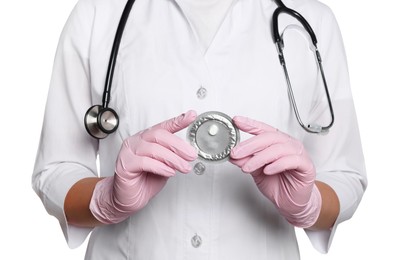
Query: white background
[{"x": 29, "y": 32}]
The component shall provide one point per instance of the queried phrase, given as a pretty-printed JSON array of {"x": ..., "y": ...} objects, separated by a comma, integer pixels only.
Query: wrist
[
  {"x": 310, "y": 212},
  {"x": 76, "y": 203},
  {"x": 102, "y": 204}
]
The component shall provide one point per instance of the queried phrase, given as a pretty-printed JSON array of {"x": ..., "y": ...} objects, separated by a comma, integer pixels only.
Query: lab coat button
[
  {"x": 201, "y": 93},
  {"x": 196, "y": 241},
  {"x": 199, "y": 168}
]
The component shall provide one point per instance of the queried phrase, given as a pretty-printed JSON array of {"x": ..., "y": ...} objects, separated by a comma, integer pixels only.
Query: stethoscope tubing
[
  {"x": 297, "y": 16},
  {"x": 114, "y": 53},
  {"x": 310, "y": 128}
]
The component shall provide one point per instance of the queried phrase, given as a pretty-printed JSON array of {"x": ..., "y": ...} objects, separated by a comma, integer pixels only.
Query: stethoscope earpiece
[{"x": 100, "y": 122}]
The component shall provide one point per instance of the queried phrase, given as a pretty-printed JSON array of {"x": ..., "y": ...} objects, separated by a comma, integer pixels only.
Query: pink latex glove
[
  {"x": 145, "y": 163},
  {"x": 282, "y": 170}
]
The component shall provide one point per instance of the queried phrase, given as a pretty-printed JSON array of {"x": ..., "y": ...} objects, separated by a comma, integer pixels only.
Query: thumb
[{"x": 178, "y": 123}]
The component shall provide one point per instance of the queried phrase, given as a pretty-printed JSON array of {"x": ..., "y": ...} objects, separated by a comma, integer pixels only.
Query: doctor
[{"x": 149, "y": 196}]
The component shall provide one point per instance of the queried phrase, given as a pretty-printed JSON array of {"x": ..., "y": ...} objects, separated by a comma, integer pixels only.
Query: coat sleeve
[
  {"x": 338, "y": 156},
  {"x": 66, "y": 153}
]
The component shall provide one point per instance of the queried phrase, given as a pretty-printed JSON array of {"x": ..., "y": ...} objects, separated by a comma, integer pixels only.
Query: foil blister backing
[{"x": 213, "y": 134}]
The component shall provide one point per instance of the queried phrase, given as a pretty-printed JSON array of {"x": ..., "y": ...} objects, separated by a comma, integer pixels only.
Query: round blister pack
[{"x": 213, "y": 134}]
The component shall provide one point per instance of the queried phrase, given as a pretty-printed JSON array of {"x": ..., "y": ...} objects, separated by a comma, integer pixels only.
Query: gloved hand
[
  {"x": 145, "y": 163},
  {"x": 282, "y": 170}
]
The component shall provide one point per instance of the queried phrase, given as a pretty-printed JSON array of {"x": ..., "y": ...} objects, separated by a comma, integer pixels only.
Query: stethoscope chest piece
[
  {"x": 100, "y": 122},
  {"x": 213, "y": 134}
]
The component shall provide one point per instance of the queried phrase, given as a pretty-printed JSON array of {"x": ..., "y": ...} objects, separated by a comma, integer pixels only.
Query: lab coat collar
[{"x": 178, "y": 2}]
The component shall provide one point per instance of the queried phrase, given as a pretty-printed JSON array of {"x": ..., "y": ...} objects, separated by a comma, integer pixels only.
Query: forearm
[
  {"x": 329, "y": 208},
  {"x": 77, "y": 201}
]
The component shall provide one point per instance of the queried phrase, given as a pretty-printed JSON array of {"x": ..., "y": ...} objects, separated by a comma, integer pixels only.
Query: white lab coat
[{"x": 219, "y": 214}]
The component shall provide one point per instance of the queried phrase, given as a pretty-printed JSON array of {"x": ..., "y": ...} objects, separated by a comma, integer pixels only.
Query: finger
[
  {"x": 269, "y": 155},
  {"x": 302, "y": 166},
  {"x": 171, "y": 142},
  {"x": 252, "y": 126},
  {"x": 164, "y": 155},
  {"x": 178, "y": 123},
  {"x": 136, "y": 165},
  {"x": 239, "y": 162},
  {"x": 257, "y": 143}
]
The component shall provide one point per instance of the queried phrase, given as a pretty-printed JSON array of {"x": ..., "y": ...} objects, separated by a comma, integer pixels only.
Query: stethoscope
[{"x": 101, "y": 120}]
